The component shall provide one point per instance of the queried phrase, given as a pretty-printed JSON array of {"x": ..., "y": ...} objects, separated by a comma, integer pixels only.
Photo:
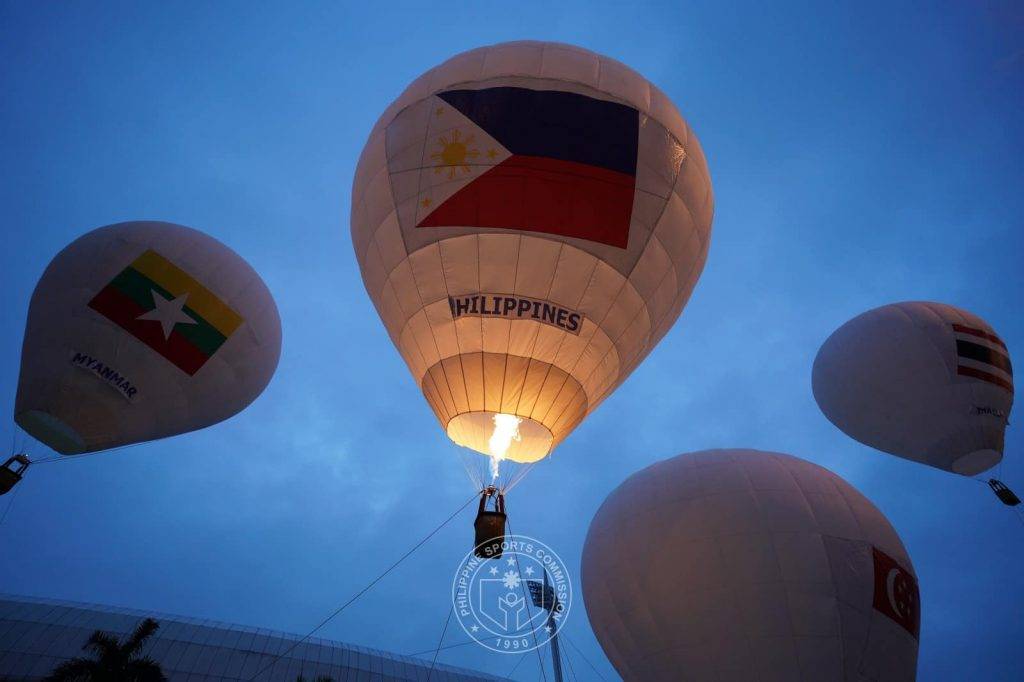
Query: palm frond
[
  {"x": 144, "y": 669},
  {"x": 143, "y": 631},
  {"x": 102, "y": 644},
  {"x": 113, "y": 660},
  {"x": 72, "y": 670}
]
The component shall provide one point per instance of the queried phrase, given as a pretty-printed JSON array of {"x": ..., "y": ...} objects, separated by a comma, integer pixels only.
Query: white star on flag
[
  {"x": 475, "y": 628},
  {"x": 168, "y": 312},
  {"x": 529, "y": 570},
  {"x": 511, "y": 562},
  {"x": 547, "y": 629},
  {"x": 494, "y": 570}
]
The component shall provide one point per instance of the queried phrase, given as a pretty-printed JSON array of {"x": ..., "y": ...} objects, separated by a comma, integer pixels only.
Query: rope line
[
  {"x": 526, "y": 597},
  {"x": 14, "y": 495},
  {"x": 572, "y": 671},
  {"x": 521, "y": 657},
  {"x": 444, "y": 631},
  {"x": 363, "y": 591},
  {"x": 74, "y": 458},
  {"x": 450, "y": 646},
  {"x": 583, "y": 656}
]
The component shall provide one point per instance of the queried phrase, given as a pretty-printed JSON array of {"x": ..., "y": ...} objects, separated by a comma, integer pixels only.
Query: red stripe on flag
[
  {"x": 123, "y": 311},
  {"x": 896, "y": 593},
  {"x": 984, "y": 376},
  {"x": 538, "y": 194},
  {"x": 980, "y": 333}
]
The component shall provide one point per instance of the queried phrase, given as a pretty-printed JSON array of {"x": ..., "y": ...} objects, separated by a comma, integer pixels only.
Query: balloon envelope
[
  {"x": 924, "y": 381},
  {"x": 748, "y": 565},
  {"x": 142, "y": 330},
  {"x": 530, "y": 218}
]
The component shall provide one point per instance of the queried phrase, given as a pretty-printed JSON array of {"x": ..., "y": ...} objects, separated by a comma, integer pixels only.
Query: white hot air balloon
[
  {"x": 923, "y": 381},
  {"x": 142, "y": 330},
  {"x": 746, "y": 565},
  {"x": 529, "y": 218}
]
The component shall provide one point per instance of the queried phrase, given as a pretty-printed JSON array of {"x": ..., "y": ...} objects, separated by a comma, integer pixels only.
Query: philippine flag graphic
[{"x": 548, "y": 161}]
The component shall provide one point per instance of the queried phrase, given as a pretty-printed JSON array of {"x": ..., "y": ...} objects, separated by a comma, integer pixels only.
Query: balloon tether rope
[{"x": 363, "y": 591}]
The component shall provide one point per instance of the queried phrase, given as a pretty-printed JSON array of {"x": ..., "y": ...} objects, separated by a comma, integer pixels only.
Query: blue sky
[{"x": 861, "y": 154}]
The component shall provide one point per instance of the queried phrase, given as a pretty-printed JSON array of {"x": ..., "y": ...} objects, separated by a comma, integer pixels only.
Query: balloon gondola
[
  {"x": 12, "y": 471},
  {"x": 490, "y": 524},
  {"x": 1005, "y": 495}
]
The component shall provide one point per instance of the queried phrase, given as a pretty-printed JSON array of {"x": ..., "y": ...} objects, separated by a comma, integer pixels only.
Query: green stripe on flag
[
  {"x": 140, "y": 288},
  {"x": 202, "y": 335}
]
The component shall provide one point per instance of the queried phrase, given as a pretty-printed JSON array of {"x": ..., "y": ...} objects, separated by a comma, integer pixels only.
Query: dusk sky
[{"x": 860, "y": 155}]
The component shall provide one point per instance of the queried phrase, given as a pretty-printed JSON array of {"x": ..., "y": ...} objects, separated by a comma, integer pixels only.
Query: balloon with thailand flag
[
  {"x": 927, "y": 382},
  {"x": 529, "y": 218},
  {"x": 924, "y": 381}
]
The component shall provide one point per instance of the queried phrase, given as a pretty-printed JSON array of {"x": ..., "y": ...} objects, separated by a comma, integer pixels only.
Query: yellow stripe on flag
[{"x": 178, "y": 282}]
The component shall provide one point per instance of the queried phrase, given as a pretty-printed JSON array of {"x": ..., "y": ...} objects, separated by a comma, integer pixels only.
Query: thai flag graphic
[{"x": 982, "y": 355}]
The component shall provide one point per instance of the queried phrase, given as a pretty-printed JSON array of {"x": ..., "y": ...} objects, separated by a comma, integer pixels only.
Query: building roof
[{"x": 37, "y": 634}]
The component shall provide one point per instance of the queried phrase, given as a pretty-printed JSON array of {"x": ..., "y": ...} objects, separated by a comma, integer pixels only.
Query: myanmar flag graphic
[
  {"x": 548, "y": 161},
  {"x": 168, "y": 310}
]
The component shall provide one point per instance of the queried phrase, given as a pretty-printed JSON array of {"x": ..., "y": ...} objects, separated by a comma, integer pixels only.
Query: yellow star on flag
[{"x": 455, "y": 153}]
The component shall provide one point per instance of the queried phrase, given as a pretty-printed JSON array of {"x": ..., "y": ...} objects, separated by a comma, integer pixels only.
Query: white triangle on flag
[{"x": 433, "y": 152}]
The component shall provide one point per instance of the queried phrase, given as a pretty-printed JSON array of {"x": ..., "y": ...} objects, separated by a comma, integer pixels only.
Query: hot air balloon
[
  {"x": 529, "y": 218},
  {"x": 143, "y": 330},
  {"x": 923, "y": 381},
  {"x": 748, "y": 565}
]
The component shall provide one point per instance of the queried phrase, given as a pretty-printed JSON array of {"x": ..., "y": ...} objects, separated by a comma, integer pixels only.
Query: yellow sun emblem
[{"x": 455, "y": 154}]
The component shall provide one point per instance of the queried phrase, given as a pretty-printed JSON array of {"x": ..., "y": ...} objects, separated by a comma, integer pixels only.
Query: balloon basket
[
  {"x": 12, "y": 471},
  {"x": 490, "y": 526}
]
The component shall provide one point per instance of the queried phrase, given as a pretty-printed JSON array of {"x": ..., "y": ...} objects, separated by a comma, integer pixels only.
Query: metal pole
[{"x": 556, "y": 658}]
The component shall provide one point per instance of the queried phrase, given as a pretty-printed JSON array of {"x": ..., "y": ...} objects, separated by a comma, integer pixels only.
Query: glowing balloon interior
[
  {"x": 139, "y": 331},
  {"x": 529, "y": 219}
]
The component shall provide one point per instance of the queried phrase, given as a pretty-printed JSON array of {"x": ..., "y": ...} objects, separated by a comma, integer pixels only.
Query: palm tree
[{"x": 113, "y": 660}]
